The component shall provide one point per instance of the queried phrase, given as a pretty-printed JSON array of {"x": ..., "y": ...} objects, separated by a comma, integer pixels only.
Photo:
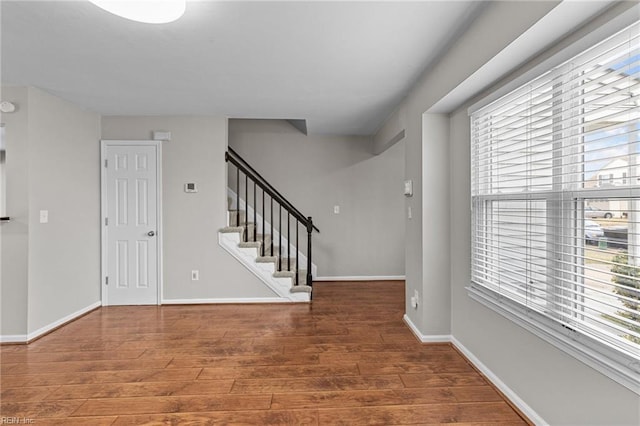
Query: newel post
[{"x": 309, "y": 231}]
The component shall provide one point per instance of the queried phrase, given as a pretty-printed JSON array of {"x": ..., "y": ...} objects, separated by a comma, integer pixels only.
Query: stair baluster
[
  {"x": 280, "y": 239},
  {"x": 237, "y": 197},
  {"x": 274, "y": 196},
  {"x": 255, "y": 208},
  {"x": 289, "y": 239},
  {"x": 263, "y": 230},
  {"x": 246, "y": 206}
]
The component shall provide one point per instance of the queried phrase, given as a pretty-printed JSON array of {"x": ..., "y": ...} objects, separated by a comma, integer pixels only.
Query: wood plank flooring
[{"x": 346, "y": 359}]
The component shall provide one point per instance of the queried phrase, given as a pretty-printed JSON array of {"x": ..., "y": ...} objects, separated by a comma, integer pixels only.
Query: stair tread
[
  {"x": 267, "y": 259},
  {"x": 249, "y": 244},
  {"x": 248, "y": 228},
  {"x": 289, "y": 274}
]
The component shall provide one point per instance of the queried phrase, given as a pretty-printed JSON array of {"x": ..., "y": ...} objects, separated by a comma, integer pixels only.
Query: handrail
[
  {"x": 251, "y": 176},
  {"x": 246, "y": 168}
]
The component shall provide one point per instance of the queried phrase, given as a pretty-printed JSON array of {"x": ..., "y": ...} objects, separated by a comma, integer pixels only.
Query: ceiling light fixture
[{"x": 148, "y": 11}]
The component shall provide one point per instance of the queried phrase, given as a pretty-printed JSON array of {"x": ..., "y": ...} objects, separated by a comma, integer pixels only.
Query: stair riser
[
  {"x": 254, "y": 244},
  {"x": 232, "y": 222},
  {"x": 281, "y": 286},
  {"x": 233, "y": 218},
  {"x": 258, "y": 238},
  {"x": 302, "y": 276}
]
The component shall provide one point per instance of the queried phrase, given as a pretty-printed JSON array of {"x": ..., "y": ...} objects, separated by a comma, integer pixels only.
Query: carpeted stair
[{"x": 283, "y": 267}]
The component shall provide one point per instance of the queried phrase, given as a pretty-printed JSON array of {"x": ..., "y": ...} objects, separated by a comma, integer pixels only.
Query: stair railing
[{"x": 255, "y": 179}]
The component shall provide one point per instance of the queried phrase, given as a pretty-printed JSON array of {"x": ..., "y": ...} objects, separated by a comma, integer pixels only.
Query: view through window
[{"x": 556, "y": 200}]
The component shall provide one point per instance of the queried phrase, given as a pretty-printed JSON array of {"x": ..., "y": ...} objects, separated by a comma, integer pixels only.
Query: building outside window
[{"x": 556, "y": 206}]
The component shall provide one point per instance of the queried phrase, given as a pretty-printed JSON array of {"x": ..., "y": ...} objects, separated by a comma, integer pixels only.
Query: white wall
[
  {"x": 52, "y": 159},
  {"x": 315, "y": 173},
  {"x": 191, "y": 221}
]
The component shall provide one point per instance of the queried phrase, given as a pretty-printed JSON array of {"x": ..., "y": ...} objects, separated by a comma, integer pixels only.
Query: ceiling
[{"x": 342, "y": 66}]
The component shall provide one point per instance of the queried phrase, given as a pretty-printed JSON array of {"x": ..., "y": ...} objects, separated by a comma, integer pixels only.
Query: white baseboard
[
  {"x": 223, "y": 301},
  {"x": 495, "y": 380},
  {"x": 13, "y": 338},
  {"x": 362, "y": 278},
  {"x": 506, "y": 390},
  {"x": 24, "y": 338},
  {"x": 424, "y": 338}
]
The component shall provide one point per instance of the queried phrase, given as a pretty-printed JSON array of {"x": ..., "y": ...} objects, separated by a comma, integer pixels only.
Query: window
[{"x": 556, "y": 206}]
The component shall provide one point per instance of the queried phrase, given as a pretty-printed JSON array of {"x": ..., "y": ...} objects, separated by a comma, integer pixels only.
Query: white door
[{"x": 130, "y": 219}]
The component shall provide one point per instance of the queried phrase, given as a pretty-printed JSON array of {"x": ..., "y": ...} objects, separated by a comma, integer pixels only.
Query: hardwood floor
[{"x": 346, "y": 359}]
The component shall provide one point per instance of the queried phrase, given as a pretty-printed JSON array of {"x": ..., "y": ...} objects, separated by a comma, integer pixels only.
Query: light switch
[
  {"x": 336, "y": 209},
  {"x": 408, "y": 188},
  {"x": 44, "y": 216},
  {"x": 409, "y": 215}
]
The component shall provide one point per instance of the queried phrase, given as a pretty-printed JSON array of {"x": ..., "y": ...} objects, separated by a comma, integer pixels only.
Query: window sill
[{"x": 621, "y": 368}]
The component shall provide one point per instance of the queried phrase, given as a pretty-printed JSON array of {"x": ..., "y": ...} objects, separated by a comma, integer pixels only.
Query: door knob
[{"x": 151, "y": 233}]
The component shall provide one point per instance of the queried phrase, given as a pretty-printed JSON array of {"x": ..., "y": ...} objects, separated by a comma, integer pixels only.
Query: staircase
[{"x": 264, "y": 232}]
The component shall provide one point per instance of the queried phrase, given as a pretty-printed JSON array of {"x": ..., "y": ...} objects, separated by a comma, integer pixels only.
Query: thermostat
[
  {"x": 161, "y": 136},
  {"x": 190, "y": 187}
]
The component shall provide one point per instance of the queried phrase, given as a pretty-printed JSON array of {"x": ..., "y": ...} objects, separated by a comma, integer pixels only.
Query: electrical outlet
[
  {"x": 415, "y": 300},
  {"x": 195, "y": 275},
  {"x": 336, "y": 209}
]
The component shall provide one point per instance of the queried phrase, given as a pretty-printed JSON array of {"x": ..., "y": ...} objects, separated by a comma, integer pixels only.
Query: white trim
[
  {"x": 263, "y": 271},
  {"x": 276, "y": 234},
  {"x": 103, "y": 213},
  {"x": 24, "y": 338},
  {"x": 218, "y": 301},
  {"x": 13, "y": 338},
  {"x": 362, "y": 278},
  {"x": 436, "y": 338},
  {"x": 495, "y": 380},
  {"x": 614, "y": 25},
  {"x": 613, "y": 364}
]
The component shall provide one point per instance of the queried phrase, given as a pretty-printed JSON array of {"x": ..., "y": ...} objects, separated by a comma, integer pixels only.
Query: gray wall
[
  {"x": 561, "y": 389},
  {"x": 316, "y": 173},
  {"x": 64, "y": 254},
  {"x": 436, "y": 225},
  {"x": 191, "y": 221},
  {"x": 462, "y": 59},
  {"x": 14, "y": 236},
  {"x": 52, "y": 157}
]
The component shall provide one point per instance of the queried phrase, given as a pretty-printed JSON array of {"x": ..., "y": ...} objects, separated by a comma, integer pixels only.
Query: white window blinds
[{"x": 556, "y": 199}]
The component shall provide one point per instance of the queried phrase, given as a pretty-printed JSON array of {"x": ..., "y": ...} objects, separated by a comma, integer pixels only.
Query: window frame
[{"x": 622, "y": 367}]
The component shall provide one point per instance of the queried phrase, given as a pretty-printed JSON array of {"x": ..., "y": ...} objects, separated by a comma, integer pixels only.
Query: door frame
[{"x": 104, "y": 267}]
